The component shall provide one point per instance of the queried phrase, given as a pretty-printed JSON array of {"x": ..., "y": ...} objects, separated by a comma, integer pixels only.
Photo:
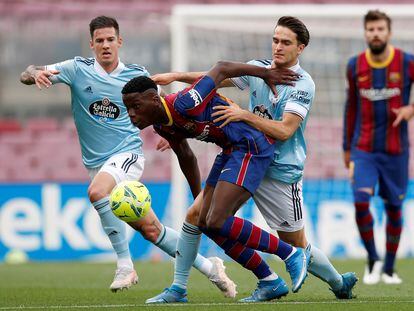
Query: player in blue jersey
[
  {"x": 375, "y": 140},
  {"x": 282, "y": 117},
  {"x": 236, "y": 172},
  {"x": 110, "y": 144}
]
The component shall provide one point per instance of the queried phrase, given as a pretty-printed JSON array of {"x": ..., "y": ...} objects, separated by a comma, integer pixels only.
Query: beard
[{"x": 377, "y": 49}]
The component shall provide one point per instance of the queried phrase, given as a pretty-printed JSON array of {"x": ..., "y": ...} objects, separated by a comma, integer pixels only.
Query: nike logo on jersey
[{"x": 225, "y": 170}]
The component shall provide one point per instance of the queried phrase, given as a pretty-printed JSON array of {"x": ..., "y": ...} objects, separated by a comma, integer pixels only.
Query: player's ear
[
  {"x": 301, "y": 47},
  {"x": 120, "y": 41},
  {"x": 91, "y": 44}
]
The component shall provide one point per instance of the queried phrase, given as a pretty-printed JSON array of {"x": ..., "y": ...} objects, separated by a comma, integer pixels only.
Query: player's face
[
  {"x": 285, "y": 47},
  {"x": 377, "y": 35},
  {"x": 106, "y": 43},
  {"x": 141, "y": 108}
]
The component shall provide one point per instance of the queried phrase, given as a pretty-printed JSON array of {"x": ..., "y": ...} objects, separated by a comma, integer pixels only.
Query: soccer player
[
  {"x": 110, "y": 144},
  {"x": 375, "y": 142},
  {"x": 282, "y": 117},
  {"x": 236, "y": 172}
]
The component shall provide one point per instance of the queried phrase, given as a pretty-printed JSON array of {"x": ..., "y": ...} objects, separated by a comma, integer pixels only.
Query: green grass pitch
[{"x": 84, "y": 286}]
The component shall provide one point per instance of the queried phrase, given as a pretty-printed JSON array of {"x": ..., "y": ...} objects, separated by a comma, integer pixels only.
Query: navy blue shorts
[
  {"x": 389, "y": 171},
  {"x": 244, "y": 166}
]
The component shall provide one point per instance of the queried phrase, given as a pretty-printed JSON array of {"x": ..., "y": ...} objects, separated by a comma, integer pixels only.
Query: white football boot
[
  {"x": 124, "y": 278},
  {"x": 219, "y": 278},
  {"x": 373, "y": 277},
  {"x": 393, "y": 279}
]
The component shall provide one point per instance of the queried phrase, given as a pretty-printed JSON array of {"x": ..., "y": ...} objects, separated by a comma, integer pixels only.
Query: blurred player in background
[
  {"x": 282, "y": 117},
  {"x": 234, "y": 177},
  {"x": 110, "y": 144},
  {"x": 375, "y": 140}
]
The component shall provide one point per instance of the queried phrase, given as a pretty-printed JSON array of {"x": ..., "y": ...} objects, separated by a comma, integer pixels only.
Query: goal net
[{"x": 202, "y": 35}]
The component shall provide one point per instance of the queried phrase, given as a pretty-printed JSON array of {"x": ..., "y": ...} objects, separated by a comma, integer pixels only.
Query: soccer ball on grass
[{"x": 130, "y": 200}]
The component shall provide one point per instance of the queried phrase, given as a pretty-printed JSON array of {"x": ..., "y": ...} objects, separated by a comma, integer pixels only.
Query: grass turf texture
[{"x": 84, "y": 286}]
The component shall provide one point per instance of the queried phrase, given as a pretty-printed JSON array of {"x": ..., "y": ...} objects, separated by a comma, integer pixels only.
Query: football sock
[
  {"x": 393, "y": 231},
  {"x": 321, "y": 267},
  {"x": 365, "y": 223},
  {"x": 115, "y": 229},
  {"x": 248, "y": 234},
  {"x": 245, "y": 256},
  {"x": 187, "y": 248},
  {"x": 167, "y": 241}
]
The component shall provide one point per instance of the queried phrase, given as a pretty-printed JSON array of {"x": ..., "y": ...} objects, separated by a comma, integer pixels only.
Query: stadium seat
[{"x": 9, "y": 125}]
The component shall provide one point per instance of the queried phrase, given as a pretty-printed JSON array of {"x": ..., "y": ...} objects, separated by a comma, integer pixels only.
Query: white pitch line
[{"x": 191, "y": 305}]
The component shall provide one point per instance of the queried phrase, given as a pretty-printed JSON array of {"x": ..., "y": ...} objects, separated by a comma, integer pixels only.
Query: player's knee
[
  {"x": 362, "y": 195},
  {"x": 150, "y": 232},
  {"x": 213, "y": 222},
  {"x": 96, "y": 193},
  {"x": 192, "y": 216}
]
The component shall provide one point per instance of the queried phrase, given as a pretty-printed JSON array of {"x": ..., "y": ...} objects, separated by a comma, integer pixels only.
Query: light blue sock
[
  {"x": 167, "y": 241},
  {"x": 187, "y": 248},
  {"x": 321, "y": 267},
  {"x": 114, "y": 228}
]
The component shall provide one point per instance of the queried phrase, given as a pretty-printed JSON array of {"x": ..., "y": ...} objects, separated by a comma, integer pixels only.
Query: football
[{"x": 130, "y": 200}]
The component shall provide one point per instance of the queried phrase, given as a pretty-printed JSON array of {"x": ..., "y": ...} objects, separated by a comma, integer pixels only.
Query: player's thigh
[
  {"x": 281, "y": 204},
  {"x": 393, "y": 179},
  {"x": 100, "y": 187},
  {"x": 227, "y": 199},
  {"x": 364, "y": 172}
]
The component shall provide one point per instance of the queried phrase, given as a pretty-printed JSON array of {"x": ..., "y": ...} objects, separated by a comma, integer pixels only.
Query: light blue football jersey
[
  {"x": 290, "y": 155},
  {"x": 100, "y": 116}
]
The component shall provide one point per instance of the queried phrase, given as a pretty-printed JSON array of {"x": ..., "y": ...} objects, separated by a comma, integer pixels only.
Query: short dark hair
[
  {"x": 139, "y": 85},
  {"x": 103, "y": 22},
  {"x": 376, "y": 15},
  {"x": 297, "y": 26}
]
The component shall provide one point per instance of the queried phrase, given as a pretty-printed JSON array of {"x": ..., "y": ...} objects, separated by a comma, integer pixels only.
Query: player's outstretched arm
[
  {"x": 188, "y": 164},
  {"x": 38, "y": 75},
  {"x": 272, "y": 76},
  {"x": 185, "y": 77}
]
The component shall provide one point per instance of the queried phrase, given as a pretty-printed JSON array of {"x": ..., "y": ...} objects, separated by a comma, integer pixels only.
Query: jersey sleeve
[
  {"x": 350, "y": 106},
  {"x": 411, "y": 67},
  {"x": 67, "y": 72},
  {"x": 243, "y": 82},
  {"x": 193, "y": 100},
  {"x": 301, "y": 97}
]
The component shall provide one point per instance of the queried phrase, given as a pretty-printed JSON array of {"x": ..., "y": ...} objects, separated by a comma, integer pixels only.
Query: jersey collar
[
  {"x": 294, "y": 68},
  {"x": 383, "y": 64},
  {"x": 103, "y": 73},
  {"x": 167, "y": 110}
]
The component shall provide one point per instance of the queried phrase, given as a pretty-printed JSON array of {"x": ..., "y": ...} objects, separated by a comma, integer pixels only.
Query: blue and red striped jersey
[
  {"x": 374, "y": 90},
  {"x": 190, "y": 116}
]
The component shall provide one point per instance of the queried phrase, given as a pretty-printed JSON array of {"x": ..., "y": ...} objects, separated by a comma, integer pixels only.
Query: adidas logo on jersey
[
  {"x": 88, "y": 89},
  {"x": 254, "y": 93},
  {"x": 113, "y": 164}
]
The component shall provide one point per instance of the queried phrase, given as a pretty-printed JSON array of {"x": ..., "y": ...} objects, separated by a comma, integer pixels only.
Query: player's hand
[
  {"x": 164, "y": 78},
  {"x": 347, "y": 158},
  {"x": 231, "y": 113},
  {"x": 42, "y": 78},
  {"x": 403, "y": 113},
  {"x": 162, "y": 145},
  {"x": 276, "y": 76}
]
